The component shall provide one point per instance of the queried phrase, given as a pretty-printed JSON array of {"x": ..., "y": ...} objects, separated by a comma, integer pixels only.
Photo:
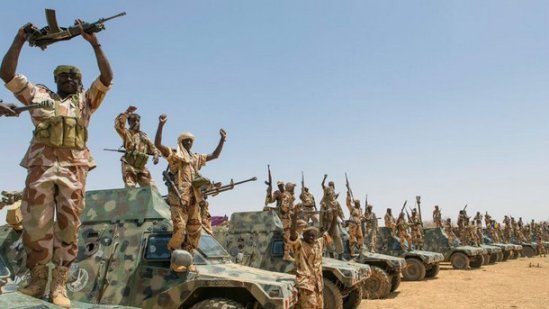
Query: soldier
[
  {"x": 184, "y": 165},
  {"x": 541, "y": 247},
  {"x": 478, "y": 227},
  {"x": 331, "y": 211},
  {"x": 462, "y": 222},
  {"x": 417, "y": 235},
  {"x": 57, "y": 162},
  {"x": 286, "y": 212},
  {"x": 7, "y": 110},
  {"x": 14, "y": 217},
  {"x": 308, "y": 264},
  {"x": 308, "y": 205},
  {"x": 448, "y": 230},
  {"x": 390, "y": 221},
  {"x": 437, "y": 217},
  {"x": 138, "y": 147},
  {"x": 371, "y": 227},
  {"x": 506, "y": 229},
  {"x": 355, "y": 226},
  {"x": 402, "y": 232},
  {"x": 275, "y": 196}
]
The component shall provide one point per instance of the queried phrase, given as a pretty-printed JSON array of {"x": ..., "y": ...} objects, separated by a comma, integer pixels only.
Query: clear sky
[{"x": 444, "y": 99}]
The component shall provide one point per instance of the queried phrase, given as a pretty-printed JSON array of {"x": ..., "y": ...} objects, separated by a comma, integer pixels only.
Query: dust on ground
[{"x": 509, "y": 284}]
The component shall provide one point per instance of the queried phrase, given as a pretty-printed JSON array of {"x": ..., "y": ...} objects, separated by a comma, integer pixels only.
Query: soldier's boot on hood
[
  {"x": 58, "y": 290},
  {"x": 176, "y": 241},
  {"x": 37, "y": 285}
]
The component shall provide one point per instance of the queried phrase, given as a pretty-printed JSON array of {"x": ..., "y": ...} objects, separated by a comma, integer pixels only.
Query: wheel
[
  {"x": 459, "y": 260},
  {"x": 485, "y": 259},
  {"x": 493, "y": 258},
  {"x": 477, "y": 261},
  {"x": 516, "y": 254},
  {"x": 500, "y": 257},
  {"x": 354, "y": 298},
  {"x": 378, "y": 285},
  {"x": 331, "y": 296},
  {"x": 433, "y": 272},
  {"x": 395, "y": 282},
  {"x": 507, "y": 255},
  {"x": 528, "y": 251},
  {"x": 414, "y": 270},
  {"x": 222, "y": 303}
]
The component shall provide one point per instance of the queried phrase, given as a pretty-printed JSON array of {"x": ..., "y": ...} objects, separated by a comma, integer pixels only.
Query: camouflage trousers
[
  {"x": 355, "y": 237},
  {"x": 132, "y": 177},
  {"x": 186, "y": 222},
  {"x": 286, "y": 224},
  {"x": 372, "y": 238},
  {"x": 405, "y": 240},
  {"x": 52, "y": 192},
  {"x": 206, "y": 217},
  {"x": 541, "y": 249},
  {"x": 417, "y": 238},
  {"x": 309, "y": 300},
  {"x": 337, "y": 242}
]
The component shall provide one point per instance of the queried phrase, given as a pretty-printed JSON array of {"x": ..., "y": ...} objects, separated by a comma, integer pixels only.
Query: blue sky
[{"x": 445, "y": 99}]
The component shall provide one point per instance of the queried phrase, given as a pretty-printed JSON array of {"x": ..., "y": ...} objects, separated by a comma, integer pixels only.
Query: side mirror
[{"x": 181, "y": 258}]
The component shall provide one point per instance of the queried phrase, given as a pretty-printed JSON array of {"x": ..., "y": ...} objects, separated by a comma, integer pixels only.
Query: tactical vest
[
  {"x": 136, "y": 159},
  {"x": 63, "y": 131}
]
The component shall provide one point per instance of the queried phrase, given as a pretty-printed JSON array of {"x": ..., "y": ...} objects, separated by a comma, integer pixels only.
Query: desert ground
[{"x": 516, "y": 283}]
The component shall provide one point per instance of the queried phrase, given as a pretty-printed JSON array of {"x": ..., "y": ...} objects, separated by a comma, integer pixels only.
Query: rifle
[
  {"x": 269, "y": 184},
  {"x": 302, "y": 182},
  {"x": 418, "y": 201},
  {"x": 465, "y": 207},
  {"x": 52, "y": 33},
  {"x": 349, "y": 188},
  {"x": 168, "y": 180},
  {"x": 122, "y": 150},
  {"x": 43, "y": 104},
  {"x": 214, "y": 190},
  {"x": 403, "y": 206}
]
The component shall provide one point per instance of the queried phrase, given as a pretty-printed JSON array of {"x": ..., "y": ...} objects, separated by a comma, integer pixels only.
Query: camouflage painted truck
[
  {"x": 386, "y": 270},
  {"x": 491, "y": 253},
  {"x": 461, "y": 257},
  {"x": 419, "y": 264},
  {"x": 256, "y": 239},
  {"x": 509, "y": 251},
  {"x": 123, "y": 260},
  {"x": 529, "y": 249}
]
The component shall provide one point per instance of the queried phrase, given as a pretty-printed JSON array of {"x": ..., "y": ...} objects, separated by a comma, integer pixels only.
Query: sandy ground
[{"x": 511, "y": 284}]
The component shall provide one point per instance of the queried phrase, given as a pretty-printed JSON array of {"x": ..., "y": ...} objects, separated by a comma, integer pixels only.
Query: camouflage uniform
[
  {"x": 138, "y": 147},
  {"x": 329, "y": 219},
  {"x": 390, "y": 221},
  {"x": 371, "y": 228},
  {"x": 355, "y": 225},
  {"x": 308, "y": 264},
  {"x": 478, "y": 227},
  {"x": 186, "y": 216},
  {"x": 308, "y": 206},
  {"x": 286, "y": 212},
  {"x": 275, "y": 197},
  {"x": 437, "y": 217},
  {"x": 506, "y": 229},
  {"x": 402, "y": 233},
  {"x": 57, "y": 162},
  {"x": 417, "y": 235},
  {"x": 448, "y": 230}
]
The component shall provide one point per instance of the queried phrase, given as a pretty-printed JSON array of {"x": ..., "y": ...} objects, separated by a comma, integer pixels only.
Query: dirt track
[{"x": 511, "y": 284}]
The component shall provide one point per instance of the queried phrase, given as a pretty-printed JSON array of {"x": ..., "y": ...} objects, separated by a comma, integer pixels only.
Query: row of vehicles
[{"x": 123, "y": 261}]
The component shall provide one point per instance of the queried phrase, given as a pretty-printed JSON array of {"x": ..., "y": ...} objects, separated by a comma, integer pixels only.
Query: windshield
[{"x": 211, "y": 248}]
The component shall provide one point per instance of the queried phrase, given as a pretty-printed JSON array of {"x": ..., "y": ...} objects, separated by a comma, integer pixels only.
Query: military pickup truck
[
  {"x": 419, "y": 264},
  {"x": 509, "y": 251},
  {"x": 123, "y": 260},
  {"x": 491, "y": 253},
  {"x": 256, "y": 239},
  {"x": 386, "y": 270},
  {"x": 461, "y": 257}
]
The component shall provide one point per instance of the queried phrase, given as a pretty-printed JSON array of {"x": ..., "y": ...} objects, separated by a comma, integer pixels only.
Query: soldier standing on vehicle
[
  {"x": 184, "y": 165},
  {"x": 331, "y": 211},
  {"x": 308, "y": 205},
  {"x": 138, "y": 147},
  {"x": 437, "y": 217},
  {"x": 417, "y": 230},
  {"x": 275, "y": 196},
  {"x": 308, "y": 263},
  {"x": 448, "y": 230},
  {"x": 355, "y": 228},
  {"x": 371, "y": 228},
  {"x": 286, "y": 212},
  {"x": 478, "y": 227},
  {"x": 506, "y": 229},
  {"x": 390, "y": 221},
  {"x": 57, "y": 162},
  {"x": 402, "y": 232}
]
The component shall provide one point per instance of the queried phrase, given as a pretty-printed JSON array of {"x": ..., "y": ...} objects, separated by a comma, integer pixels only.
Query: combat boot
[
  {"x": 58, "y": 291},
  {"x": 37, "y": 285}
]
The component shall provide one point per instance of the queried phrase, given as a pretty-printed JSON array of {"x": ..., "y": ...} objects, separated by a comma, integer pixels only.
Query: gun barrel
[{"x": 112, "y": 17}]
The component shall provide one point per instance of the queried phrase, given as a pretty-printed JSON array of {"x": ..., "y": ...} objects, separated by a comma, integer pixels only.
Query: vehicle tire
[
  {"x": 485, "y": 259},
  {"x": 414, "y": 270},
  {"x": 395, "y": 282},
  {"x": 459, "y": 260},
  {"x": 477, "y": 261},
  {"x": 433, "y": 272},
  {"x": 507, "y": 255},
  {"x": 528, "y": 251},
  {"x": 499, "y": 257},
  {"x": 331, "y": 296},
  {"x": 221, "y": 303},
  {"x": 516, "y": 254},
  {"x": 378, "y": 285},
  {"x": 353, "y": 300},
  {"x": 493, "y": 258}
]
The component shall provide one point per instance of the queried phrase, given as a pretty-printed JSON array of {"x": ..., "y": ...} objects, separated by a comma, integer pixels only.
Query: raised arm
[
  {"x": 165, "y": 151},
  {"x": 217, "y": 151},
  {"x": 102, "y": 62},
  {"x": 324, "y": 181},
  {"x": 9, "y": 63},
  {"x": 120, "y": 122},
  {"x": 349, "y": 202}
]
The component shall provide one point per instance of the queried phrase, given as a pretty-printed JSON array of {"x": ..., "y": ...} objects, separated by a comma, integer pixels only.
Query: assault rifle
[
  {"x": 403, "y": 206},
  {"x": 18, "y": 110},
  {"x": 122, "y": 150},
  {"x": 213, "y": 189},
  {"x": 168, "y": 180},
  {"x": 418, "y": 201},
  {"x": 269, "y": 184},
  {"x": 52, "y": 33},
  {"x": 349, "y": 188}
]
